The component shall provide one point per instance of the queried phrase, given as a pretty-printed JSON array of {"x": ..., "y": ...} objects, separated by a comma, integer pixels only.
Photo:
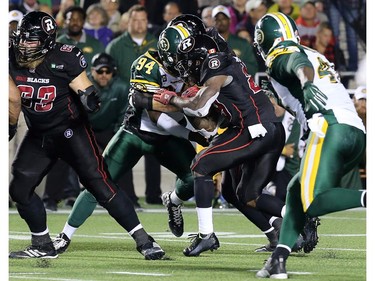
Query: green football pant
[
  {"x": 315, "y": 189},
  {"x": 123, "y": 153}
]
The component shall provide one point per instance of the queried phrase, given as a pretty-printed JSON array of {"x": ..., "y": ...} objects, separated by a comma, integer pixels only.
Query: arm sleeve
[{"x": 295, "y": 61}]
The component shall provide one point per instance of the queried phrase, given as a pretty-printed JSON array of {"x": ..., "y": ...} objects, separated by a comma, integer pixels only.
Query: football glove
[
  {"x": 12, "y": 131},
  {"x": 315, "y": 99},
  {"x": 90, "y": 99},
  {"x": 164, "y": 96},
  {"x": 190, "y": 92}
]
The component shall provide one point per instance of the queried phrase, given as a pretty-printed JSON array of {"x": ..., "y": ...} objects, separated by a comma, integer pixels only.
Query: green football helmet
[
  {"x": 169, "y": 40},
  {"x": 272, "y": 29}
]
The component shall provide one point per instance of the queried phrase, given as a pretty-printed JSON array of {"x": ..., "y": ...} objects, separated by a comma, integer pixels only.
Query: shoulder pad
[
  {"x": 281, "y": 49},
  {"x": 145, "y": 73}
]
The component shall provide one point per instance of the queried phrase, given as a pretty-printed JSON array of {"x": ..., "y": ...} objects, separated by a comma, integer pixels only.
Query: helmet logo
[
  {"x": 164, "y": 44},
  {"x": 259, "y": 36},
  {"x": 48, "y": 25},
  {"x": 187, "y": 45},
  {"x": 214, "y": 63}
]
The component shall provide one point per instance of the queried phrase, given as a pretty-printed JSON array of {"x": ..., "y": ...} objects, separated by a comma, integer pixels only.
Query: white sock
[
  {"x": 269, "y": 230},
  {"x": 205, "y": 220},
  {"x": 138, "y": 227},
  {"x": 175, "y": 199},
  {"x": 40, "y": 233},
  {"x": 272, "y": 219},
  {"x": 69, "y": 230},
  {"x": 283, "y": 210}
]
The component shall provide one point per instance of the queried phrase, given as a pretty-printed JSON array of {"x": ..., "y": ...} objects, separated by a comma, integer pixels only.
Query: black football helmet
[
  {"x": 169, "y": 40},
  {"x": 192, "y": 23},
  {"x": 35, "y": 27},
  {"x": 191, "y": 53}
]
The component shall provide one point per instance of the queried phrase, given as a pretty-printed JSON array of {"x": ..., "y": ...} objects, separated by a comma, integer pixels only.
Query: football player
[
  {"x": 307, "y": 84},
  {"x": 56, "y": 94},
  {"x": 146, "y": 131},
  {"x": 252, "y": 141}
]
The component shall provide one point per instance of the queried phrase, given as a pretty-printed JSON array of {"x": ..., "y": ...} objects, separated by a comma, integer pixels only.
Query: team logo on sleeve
[
  {"x": 82, "y": 62},
  {"x": 68, "y": 133},
  {"x": 66, "y": 48},
  {"x": 213, "y": 63}
]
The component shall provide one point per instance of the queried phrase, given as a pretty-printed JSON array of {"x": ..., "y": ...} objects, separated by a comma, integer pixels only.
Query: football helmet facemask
[
  {"x": 191, "y": 53},
  {"x": 35, "y": 36},
  {"x": 167, "y": 45},
  {"x": 272, "y": 29}
]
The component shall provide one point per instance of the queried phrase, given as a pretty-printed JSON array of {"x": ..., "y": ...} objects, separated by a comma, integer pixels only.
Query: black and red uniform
[
  {"x": 241, "y": 104},
  {"x": 59, "y": 128}
]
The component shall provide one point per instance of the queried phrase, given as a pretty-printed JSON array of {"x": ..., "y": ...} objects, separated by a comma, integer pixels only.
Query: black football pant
[{"x": 35, "y": 157}]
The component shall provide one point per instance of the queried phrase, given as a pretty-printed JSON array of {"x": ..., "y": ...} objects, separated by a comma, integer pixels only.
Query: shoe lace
[
  {"x": 60, "y": 242},
  {"x": 194, "y": 237},
  {"x": 176, "y": 214}
]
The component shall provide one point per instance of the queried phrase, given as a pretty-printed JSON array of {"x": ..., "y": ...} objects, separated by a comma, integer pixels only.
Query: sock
[
  {"x": 40, "y": 238},
  {"x": 363, "y": 198},
  {"x": 69, "y": 230},
  {"x": 140, "y": 237},
  {"x": 175, "y": 199},
  {"x": 281, "y": 251},
  {"x": 205, "y": 222}
]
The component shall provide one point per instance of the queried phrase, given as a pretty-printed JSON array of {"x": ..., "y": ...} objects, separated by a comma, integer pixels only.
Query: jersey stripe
[{"x": 310, "y": 167}]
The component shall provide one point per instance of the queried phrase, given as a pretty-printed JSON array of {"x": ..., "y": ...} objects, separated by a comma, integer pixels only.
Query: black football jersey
[
  {"x": 242, "y": 102},
  {"x": 48, "y": 103}
]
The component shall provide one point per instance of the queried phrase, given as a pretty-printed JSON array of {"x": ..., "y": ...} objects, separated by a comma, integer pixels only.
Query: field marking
[
  {"x": 290, "y": 272},
  {"x": 138, "y": 273},
  {"x": 161, "y": 236},
  {"x": 26, "y": 275}
]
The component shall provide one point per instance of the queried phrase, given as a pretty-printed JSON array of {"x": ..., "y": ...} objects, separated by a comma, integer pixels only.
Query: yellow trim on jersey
[
  {"x": 144, "y": 82},
  {"x": 148, "y": 55},
  {"x": 280, "y": 51},
  {"x": 310, "y": 167}
]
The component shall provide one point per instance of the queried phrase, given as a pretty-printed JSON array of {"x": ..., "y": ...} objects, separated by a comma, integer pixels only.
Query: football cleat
[
  {"x": 151, "y": 250},
  {"x": 310, "y": 234},
  {"x": 46, "y": 251},
  {"x": 61, "y": 243},
  {"x": 300, "y": 243},
  {"x": 266, "y": 248},
  {"x": 175, "y": 219},
  {"x": 274, "y": 268},
  {"x": 200, "y": 243}
]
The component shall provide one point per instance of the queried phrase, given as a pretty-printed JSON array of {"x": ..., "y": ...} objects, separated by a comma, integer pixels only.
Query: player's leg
[
  {"x": 335, "y": 160},
  {"x": 176, "y": 155},
  {"x": 26, "y": 176},
  {"x": 85, "y": 158}
]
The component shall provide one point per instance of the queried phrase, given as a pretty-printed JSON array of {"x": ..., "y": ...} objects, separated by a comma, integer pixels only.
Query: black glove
[
  {"x": 198, "y": 138},
  {"x": 90, "y": 99},
  {"x": 12, "y": 131}
]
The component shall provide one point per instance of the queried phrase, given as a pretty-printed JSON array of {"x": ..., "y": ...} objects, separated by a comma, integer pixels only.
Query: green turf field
[{"x": 101, "y": 250}]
